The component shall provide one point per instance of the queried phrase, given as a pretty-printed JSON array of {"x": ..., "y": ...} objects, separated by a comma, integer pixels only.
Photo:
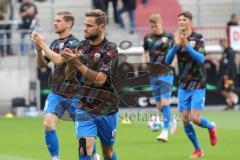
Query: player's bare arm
[
  {"x": 38, "y": 40},
  {"x": 144, "y": 59},
  {"x": 98, "y": 78},
  {"x": 40, "y": 59}
]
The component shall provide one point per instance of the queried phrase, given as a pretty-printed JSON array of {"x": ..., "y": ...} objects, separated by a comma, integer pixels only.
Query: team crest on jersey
[
  {"x": 61, "y": 46},
  {"x": 97, "y": 56},
  {"x": 164, "y": 39}
]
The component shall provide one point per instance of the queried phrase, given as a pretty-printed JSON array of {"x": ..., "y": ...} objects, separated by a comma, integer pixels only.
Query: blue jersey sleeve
[
  {"x": 197, "y": 56},
  {"x": 171, "y": 54}
]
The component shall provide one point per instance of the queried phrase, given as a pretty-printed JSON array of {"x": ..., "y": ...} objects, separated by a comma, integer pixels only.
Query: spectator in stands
[
  {"x": 130, "y": 7},
  {"x": 115, "y": 6},
  {"x": 5, "y": 27},
  {"x": 103, "y": 5},
  {"x": 28, "y": 13},
  {"x": 227, "y": 74},
  {"x": 100, "y": 4},
  {"x": 233, "y": 22}
]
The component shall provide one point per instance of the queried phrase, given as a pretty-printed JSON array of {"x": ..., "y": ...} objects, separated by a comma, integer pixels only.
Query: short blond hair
[
  {"x": 155, "y": 18},
  {"x": 99, "y": 15},
  {"x": 67, "y": 16}
]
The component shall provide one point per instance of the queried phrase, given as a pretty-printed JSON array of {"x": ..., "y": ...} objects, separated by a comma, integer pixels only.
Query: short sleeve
[
  {"x": 109, "y": 61},
  {"x": 146, "y": 43},
  {"x": 72, "y": 44}
]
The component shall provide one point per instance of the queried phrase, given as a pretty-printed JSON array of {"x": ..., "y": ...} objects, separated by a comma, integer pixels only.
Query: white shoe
[
  {"x": 173, "y": 126},
  {"x": 163, "y": 137},
  {"x": 55, "y": 158},
  {"x": 96, "y": 156}
]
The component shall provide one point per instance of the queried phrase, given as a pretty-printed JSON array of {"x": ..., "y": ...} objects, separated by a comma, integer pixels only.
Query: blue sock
[
  {"x": 192, "y": 136},
  {"x": 114, "y": 157},
  {"x": 166, "y": 116},
  {"x": 85, "y": 158},
  {"x": 51, "y": 140},
  {"x": 205, "y": 123},
  {"x": 94, "y": 149}
]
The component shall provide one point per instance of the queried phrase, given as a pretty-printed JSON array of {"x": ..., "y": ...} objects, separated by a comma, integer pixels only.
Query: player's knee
[
  {"x": 195, "y": 119},
  {"x": 159, "y": 104},
  {"x": 49, "y": 125},
  {"x": 186, "y": 119},
  {"x": 108, "y": 153},
  {"x": 162, "y": 103},
  {"x": 84, "y": 148}
]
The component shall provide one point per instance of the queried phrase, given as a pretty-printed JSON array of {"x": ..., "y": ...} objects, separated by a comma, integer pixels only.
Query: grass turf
[{"x": 23, "y": 139}]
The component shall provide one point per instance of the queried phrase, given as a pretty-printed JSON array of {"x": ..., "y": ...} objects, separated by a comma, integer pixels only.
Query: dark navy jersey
[
  {"x": 58, "y": 46},
  {"x": 191, "y": 73},
  {"x": 101, "y": 58},
  {"x": 158, "y": 46}
]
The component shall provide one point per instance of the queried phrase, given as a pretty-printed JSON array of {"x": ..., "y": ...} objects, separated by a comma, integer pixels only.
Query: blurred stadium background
[{"x": 23, "y": 87}]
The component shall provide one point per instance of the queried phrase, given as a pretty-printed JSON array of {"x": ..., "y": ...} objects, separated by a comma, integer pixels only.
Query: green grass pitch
[{"x": 23, "y": 139}]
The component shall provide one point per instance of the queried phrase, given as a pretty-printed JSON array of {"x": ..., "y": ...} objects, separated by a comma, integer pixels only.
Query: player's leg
[
  {"x": 165, "y": 84},
  {"x": 162, "y": 94},
  {"x": 164, "y": 108},
  {"x": 85, "y": 147},
  {"x": 86, "y": 131},
  {"x": 51, "y": 139},
  {"x": 109, "y": 152},
  {"x": 95, "y": 155},
  {"x": 184, "y": 106},
  {"x": 106, "y": 126},
  {"x": 71, "y": 106},
  {"x": 120, "y": 20},
  {"x": 168, "y": 120},
  {"x": 190, "y": 132},
  {"x": 131, "y": 14},
  {"x": 52, "y": 111},
  {"x": 156, "y": 91},
  {"x": 197, "y": 104}
]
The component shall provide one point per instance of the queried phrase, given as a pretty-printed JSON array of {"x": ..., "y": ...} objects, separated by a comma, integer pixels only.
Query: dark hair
[
  {"x": 186, "y": 14},
  {"x": 99, "y": 15},
  {"x": 67, "y": 16}
]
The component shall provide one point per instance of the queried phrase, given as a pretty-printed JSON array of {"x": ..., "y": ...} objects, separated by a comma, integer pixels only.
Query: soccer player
[
  {"x": 96, "y": 59},
  {"x": 56, "y": 103},
  {"x": 156, "y": 46},
  {"x": 189, "y": 49}
]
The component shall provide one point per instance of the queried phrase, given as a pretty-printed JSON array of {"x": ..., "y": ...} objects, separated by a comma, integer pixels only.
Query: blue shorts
[
  {"x": 161, "y": 86},
  {"x": 191, "y": 99},
  {"x": 89, "y": 125},
  {"x": 58, "y": 104}
]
